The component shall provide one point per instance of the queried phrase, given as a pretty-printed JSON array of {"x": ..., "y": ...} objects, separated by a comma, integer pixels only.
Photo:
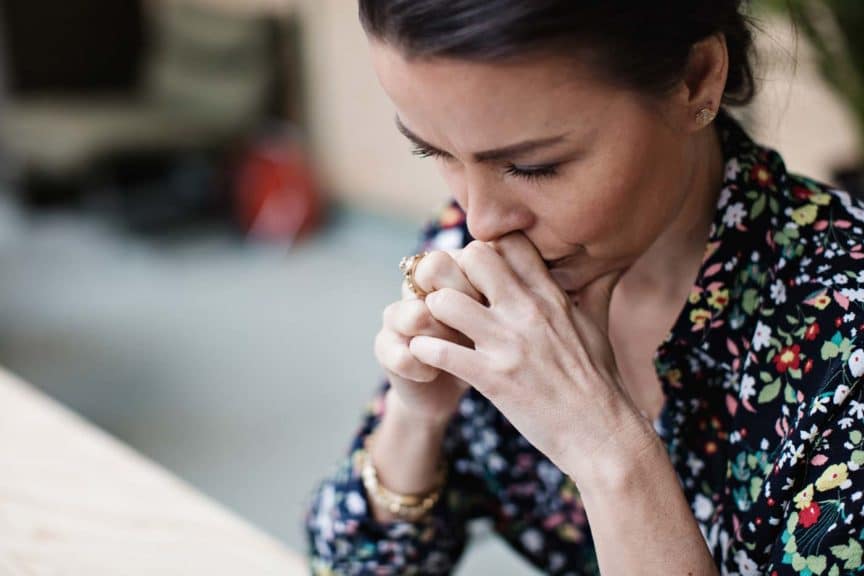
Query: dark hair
[{"x": 636, "y": 44}]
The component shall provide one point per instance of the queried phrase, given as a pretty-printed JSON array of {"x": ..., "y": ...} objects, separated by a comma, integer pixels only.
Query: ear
[{"x": 704, "y": 78}]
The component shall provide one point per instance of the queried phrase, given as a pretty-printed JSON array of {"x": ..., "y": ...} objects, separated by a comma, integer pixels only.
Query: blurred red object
[{"x": 276, "y": 192}]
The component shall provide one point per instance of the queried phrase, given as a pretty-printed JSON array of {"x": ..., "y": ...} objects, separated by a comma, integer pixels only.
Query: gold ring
[{"x": 408, "y": 265}]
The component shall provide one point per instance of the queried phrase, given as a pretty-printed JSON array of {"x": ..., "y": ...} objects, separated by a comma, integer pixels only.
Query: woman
[{"x": 633, "y": 345}]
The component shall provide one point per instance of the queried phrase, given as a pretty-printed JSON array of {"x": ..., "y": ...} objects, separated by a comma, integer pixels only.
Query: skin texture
[{"x": 524, "y": 313}]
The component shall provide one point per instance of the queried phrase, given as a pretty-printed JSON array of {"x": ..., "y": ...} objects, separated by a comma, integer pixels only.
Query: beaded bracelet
[{"x": 409, "y": 507}]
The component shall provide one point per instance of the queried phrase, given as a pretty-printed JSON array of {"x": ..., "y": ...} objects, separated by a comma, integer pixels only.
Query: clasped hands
[{"x": 507, "y": 329}]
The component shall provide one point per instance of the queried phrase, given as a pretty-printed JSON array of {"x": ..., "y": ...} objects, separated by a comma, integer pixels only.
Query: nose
[{"x": 491, "y": 212}]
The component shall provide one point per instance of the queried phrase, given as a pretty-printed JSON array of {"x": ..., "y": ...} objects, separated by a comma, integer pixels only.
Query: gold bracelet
[{"x": 410, "y": 507}]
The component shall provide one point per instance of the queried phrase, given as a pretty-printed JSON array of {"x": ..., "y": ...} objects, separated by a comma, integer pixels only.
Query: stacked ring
[{"x": 407, "y": 266}]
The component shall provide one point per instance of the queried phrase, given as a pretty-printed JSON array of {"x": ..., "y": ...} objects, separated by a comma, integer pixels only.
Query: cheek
[{"x": 610, "y": 211}]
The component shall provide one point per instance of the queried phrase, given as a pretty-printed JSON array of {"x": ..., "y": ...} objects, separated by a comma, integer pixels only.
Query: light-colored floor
[{"x": 242, "y": 368}]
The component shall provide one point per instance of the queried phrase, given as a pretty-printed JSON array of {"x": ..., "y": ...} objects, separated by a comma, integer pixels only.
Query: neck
[{"x": 669, "y": 267}]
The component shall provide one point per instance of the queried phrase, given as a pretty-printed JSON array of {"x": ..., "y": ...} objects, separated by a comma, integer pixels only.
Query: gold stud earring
[{"x": 705, "y": 115}]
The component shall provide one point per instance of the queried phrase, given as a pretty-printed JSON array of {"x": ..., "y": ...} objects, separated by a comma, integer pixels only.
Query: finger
[
  {"x": 413, "y": 318},
  {"x": 527, "y": 263},
  {"x": 461, "y": 362},
  {"x": 439, "y": 270},
  {"x": 393, "y": 354},
  {"x": 461, "y": 313},
  {"x": 487, "y": 271}
]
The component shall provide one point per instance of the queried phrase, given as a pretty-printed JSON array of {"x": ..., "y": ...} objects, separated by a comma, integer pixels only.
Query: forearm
[
  {"x": 405, "y": 453},
  {"x": 640, "y": 519}
]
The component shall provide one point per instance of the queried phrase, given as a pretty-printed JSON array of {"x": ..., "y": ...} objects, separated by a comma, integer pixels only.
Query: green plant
[{"x": 835, "y": 30}]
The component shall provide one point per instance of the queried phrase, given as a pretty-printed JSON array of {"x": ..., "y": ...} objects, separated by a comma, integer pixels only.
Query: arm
[
  {"x": 346, "y": 535},
  {"x": 640, "y": 519}
]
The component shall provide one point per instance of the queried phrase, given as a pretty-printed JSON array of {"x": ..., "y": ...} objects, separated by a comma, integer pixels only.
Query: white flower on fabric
[
  {"x": 694, "y": 464},
  {"x": 840, "y": 394},
  {"x": 858, "y": 213},
  {"x": 733, "y": 168},
  {"x": 748, "y": 387},
  {"x": 746, "y": 566},
  {"x": 532, "y": 539},
  {"x": 856, "y": 409},
  {"x": 848, "y": 317},
  {"x": 762, "y": 337},
  {"x": 841, "y": 278},
  {"x": 856, "y": 363},
  {"x": 734, "y": 215},
  {"x": 725, "y": 195},
  {"x": 845, "y": 422},
  {"x": 808, "y": 434},
  {"x": 496, "y": 462},
  {"x": 778, "y": 292},
  {"x": 819, "y": 405},
  {"x": 355, "y": 503},
  {"x": 702, "y": 507},
  {"x": 796, "y": 453},
  {"x": 860, "y": 277},
  {"x": 853, "y": 294},
  {"x": 549, "y": 474}
]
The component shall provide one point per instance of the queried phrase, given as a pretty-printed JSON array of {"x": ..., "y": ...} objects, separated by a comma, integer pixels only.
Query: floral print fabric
[{"x": 763, "y": 421}]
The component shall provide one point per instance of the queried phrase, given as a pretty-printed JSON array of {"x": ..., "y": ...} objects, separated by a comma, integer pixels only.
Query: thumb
[{"x": 594, "y": 299}]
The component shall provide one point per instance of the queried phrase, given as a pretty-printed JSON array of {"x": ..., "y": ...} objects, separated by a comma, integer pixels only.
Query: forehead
[{"x": 474, "y": 104}]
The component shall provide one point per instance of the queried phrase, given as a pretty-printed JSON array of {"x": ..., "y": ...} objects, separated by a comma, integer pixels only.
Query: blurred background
[{"x": 202, "y": 208}]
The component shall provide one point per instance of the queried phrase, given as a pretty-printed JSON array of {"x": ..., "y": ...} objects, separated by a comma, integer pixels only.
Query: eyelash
[{"x": 532, "y": 173}]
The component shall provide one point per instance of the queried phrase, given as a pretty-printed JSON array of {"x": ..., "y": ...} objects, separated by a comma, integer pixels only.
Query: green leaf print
[
  {"x": 755, "y": 487},
  {"x": 816, "y": 564},
  {"x": 851, "y": 553},
  {"x": 829, "y": 350},
  {"x": 749, "y": 301},
  {"x": 858, "y": 457},
  {"x": 758, "y": 207},
  {"x": 769, "y": 392},
  {"x": 789, "y": 395},
  {"x": 855, "y": 436}
]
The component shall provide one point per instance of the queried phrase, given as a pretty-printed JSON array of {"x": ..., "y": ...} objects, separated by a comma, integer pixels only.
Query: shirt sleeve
[{"x": 344, "y": 537}]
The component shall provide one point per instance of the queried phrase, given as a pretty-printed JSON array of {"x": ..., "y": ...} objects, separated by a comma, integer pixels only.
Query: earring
[{"x": 705, "y": 115}]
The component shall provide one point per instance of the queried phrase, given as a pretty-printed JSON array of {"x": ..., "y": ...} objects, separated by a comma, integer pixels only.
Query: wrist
[
  {"x": 625, "y": 461},
  {"x": 401, "y": 416}
]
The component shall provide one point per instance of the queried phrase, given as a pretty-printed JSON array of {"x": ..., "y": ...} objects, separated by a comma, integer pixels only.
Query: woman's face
[{"x": 587, "y": 171}]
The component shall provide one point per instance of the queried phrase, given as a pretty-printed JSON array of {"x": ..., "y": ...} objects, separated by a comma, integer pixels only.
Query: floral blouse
[{"x": 763, "y": 420}]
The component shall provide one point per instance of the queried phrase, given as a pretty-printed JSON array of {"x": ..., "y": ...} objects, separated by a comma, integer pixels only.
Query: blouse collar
[{"x": 714, "y": 326}]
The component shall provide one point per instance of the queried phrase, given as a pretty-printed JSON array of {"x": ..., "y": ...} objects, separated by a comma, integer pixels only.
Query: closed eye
[
  {"x": 424, "y": 152},
  {"x": 532, "y": 172},
  {"x": 536, "y": 172}
]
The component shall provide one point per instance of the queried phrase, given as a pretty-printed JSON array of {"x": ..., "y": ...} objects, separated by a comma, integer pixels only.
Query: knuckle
[
  {"x": 445, "y": 297},
  {"x": 402, "y": 361},
  {"x": 532, "y": 312},
  {"x": 390, "y": 313},
  {"x": 474, "y": 250},
  {"x": 416, "y": 319},
  {"x": 434, "y": 264}
]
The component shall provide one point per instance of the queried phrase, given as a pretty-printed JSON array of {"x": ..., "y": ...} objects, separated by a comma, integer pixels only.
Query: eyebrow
[{"x": 510, "y": 151}]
